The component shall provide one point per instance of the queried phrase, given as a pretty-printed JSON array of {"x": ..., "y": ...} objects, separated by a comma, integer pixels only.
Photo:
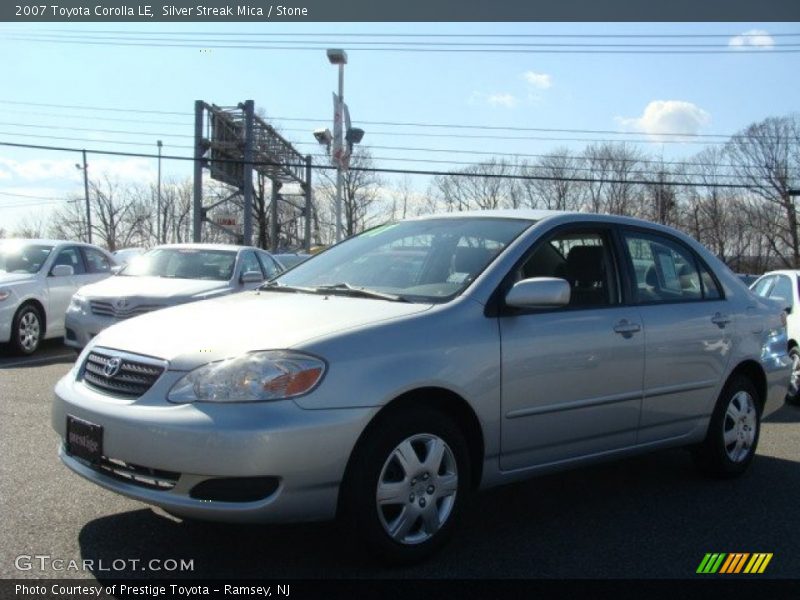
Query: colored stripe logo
[{"x": 734, "y": 563}]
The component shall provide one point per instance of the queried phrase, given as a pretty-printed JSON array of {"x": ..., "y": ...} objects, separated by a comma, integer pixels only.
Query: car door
[
  {"x": 61, "y": 289},
  {"x": 689, "y": 326},
  {"x": 571, "y": 376}
]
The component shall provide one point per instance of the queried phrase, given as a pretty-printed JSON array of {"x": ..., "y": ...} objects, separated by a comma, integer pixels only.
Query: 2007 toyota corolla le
[{"x": 386, "y": 378}]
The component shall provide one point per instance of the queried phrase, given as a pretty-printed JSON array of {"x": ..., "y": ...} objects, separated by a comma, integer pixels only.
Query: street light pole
[
  {"x": 158, "y": 199},
  {"x": 85, "y": 170},
  {"x": 340, "y": 144},
  {"x": 338, "y": 56}
]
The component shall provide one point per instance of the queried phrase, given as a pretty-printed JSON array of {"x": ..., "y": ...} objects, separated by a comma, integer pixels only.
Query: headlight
[
  {"x": 77, "y": 304},
  {"x": 254, "y": 377},
  {"x": 4, "y": 294}
]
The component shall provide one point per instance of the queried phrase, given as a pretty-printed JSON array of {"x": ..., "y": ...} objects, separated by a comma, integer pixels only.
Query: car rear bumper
[
  {"x": 778, "y": 369},
  {"x": 145, "y": 445}
]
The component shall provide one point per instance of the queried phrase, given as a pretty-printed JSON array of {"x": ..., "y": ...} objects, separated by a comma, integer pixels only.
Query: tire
[
  {"x": 733, "y": 431},
  {"x": 27, "y": 330},
  {"x": 793, "y": 395},
  {"x": 420, "y": 457}
]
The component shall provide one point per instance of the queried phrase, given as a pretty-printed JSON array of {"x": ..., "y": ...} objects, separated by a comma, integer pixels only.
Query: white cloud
[
  {"x": 754, "y": 38},
  {"x": 505, "y": 100},
  {"x": 542, "y": 81},
  {"x": 668, "y": 117}
]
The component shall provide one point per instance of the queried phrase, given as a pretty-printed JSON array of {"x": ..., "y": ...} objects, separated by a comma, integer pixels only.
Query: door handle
[
  {"x": 626, "y": 329},
  {"x": 720, "y": 320}
]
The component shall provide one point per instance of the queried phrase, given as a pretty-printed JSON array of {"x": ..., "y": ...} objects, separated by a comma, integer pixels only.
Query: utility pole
[
  {"x": 249, "y": 114},
  {"x": 85, "y": 169},
  {"x": 158, "y": 199},
  {"x": 197, "y": 196}
]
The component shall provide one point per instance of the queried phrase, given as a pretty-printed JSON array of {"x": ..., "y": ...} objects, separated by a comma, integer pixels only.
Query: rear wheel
[
  {"x": 793, "y": 395},
  {"x": 732, "y": 438},
  {"x": 27, "y": 330},
  {"x": 406, "y": 485}
]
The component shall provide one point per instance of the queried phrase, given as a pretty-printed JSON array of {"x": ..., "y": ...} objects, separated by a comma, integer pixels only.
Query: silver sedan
[{"x": 388, "y": 377}]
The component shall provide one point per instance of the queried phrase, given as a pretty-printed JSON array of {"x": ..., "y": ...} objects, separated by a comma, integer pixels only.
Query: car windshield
[
  {"x": 183, "y": 263},
  {"x": 22, "y": 258},
  {"x": 429, "y": 260}
]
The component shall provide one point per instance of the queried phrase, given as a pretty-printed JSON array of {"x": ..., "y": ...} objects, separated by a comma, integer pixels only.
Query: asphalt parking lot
[{"x": 647, "y": 517}]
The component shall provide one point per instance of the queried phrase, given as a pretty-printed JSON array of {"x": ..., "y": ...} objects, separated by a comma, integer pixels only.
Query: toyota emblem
[
  {"x": 120, "y": 303},
  {"x": 112, "y": 367}
]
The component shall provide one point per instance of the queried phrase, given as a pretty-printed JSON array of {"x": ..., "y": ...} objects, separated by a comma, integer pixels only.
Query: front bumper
[{"x": 306, "y": 450}]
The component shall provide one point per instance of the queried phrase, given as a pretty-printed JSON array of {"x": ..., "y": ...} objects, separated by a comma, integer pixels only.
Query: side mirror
[
  {"x": 62, "y": 271},
  {"x": 539, "y": 292},
  {"x": 251, "y": 277}
]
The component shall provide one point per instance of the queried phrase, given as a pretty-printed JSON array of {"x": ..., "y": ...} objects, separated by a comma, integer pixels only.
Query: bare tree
[
  {"x": 483, "y": 186},
  {"x": 558, "y": 189},
  {"x": 361, "y": 193},
  {"x": 762, "y": 155}
]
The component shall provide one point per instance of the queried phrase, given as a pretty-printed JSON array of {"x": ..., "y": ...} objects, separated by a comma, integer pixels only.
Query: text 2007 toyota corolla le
[{"x": 386, "y": 378}]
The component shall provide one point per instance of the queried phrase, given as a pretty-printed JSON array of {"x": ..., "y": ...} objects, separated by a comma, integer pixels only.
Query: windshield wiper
[
  {"x": 346, "y": 289},
  {"x": 274, "y": 286}
]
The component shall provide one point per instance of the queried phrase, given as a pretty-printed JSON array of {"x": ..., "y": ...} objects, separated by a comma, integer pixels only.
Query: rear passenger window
[
  {"x": 664, "y": 271},
  {"x": 711, "y": 289}
]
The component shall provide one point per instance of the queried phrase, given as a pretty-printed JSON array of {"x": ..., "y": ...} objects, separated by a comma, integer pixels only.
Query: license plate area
[{"x": 84, "y": 439}]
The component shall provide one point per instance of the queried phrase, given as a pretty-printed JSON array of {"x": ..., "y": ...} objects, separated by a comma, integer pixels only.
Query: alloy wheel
[
  {"x": 739, "y": 426},
  {"x": 417, "y": 488},
  {"x": 29, "y": 331}
]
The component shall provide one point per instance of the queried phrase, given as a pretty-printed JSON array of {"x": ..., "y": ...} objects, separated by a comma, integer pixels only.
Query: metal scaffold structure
[{"x": 235, "y": 144}]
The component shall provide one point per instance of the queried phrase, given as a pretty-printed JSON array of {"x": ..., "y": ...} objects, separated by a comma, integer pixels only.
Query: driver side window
[{"x": 583, "y": 258}]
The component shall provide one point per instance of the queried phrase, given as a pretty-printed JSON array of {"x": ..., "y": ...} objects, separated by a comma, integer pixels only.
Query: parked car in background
[
  {"x": 125, "y": 255},
  {"x": 37, "y": 280},
  {"x": 783, "y": 288},
  {"x": 390, "y": 376},
  {"x": 747, "y": 279},
  {"x": 291, "y": 259},
  {"x": 165, "y": 276}
]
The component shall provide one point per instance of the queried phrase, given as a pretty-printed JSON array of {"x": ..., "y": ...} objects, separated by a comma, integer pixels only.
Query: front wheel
[
  {"x": 793, "y": 394},
  {"x": 405, "y": 487},
  {"x": 26, "y": 334},
  {"x": 732, "y": 437}
]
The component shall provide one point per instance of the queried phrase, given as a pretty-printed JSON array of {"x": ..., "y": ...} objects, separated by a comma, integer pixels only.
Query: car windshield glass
[
  {"x": 22, "y": 258},
  {"x": 183, "y": 263},
  {"x": 429, "y": 260}
]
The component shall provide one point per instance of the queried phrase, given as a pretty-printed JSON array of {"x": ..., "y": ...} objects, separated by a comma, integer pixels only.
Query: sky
[{"x": 94, "y": 90}]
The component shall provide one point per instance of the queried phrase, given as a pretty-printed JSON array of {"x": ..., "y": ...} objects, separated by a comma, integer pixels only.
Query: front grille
[
  {"x": 153, "y": 479},
  {"x": 131, "y": 379},
  {"x": 107, "y": 309}
]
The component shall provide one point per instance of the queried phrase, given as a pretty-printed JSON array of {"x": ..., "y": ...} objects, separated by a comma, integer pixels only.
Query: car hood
[
  {"x": 157, "y": 288},
  {"x": 9, "y": 278},
  {"x": 194, "y": 334}
]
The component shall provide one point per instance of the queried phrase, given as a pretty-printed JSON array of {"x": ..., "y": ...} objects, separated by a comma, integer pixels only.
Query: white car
[
  {"x": 37, "y": 280},
  {"x": 165, "y": 276},
  {"x": 783, "y": 287}
]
